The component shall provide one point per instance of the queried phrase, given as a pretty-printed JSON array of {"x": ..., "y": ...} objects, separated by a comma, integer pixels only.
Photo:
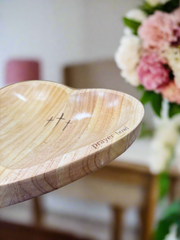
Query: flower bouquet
[
  {"x": 149, "y": 59},
  {"x": 149, "y": 53}
]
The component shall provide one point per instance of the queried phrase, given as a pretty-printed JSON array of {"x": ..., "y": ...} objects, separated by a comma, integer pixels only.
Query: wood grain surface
[
  {"x": 51, "y": 135},
  {"x": 14, "y": 231}
]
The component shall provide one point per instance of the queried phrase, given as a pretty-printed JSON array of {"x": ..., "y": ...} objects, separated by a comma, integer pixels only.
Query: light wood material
[
  {"x": 101, "y": 74},
  {"x": 147, "y": 212},
  {"x": 37, "y": 211},
  {"x": 97, "y": 74},
  {"x": 13, "y": 231},
  {"x": 118, "y": 223},
  {"x": 117, "y": 187},
  {"x": 174, "y": 187},
  {"x": 51, "y": 135}
]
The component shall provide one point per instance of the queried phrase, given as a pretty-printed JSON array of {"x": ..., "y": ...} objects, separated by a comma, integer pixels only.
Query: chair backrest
[{"x": 100, "y": 74}]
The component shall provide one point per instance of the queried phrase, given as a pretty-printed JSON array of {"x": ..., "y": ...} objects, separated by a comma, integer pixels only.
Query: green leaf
[
  {"x": 156, "y": 102},
  {"x": 162, "y": 230},
  {"x": 167, "y": 7},
  {"x": 178, "y": 233},
  {"x": 132, "y": 24},
  {"x": 174, "y": 209},
  {"x": 174, "y": 109},
  {"x": 170, "y": 6},
  {"x": 171, "y": 216},
  {"x": 164, "y": 184},
  {"x": 148, "y": 8},
  {"x": 146, "y": 97},
  {"x": 140, "y": 88}
]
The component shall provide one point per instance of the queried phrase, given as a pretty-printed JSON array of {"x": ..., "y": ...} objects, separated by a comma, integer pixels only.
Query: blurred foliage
[
  {"x": 167, "y": 7},
  {"x": 156, "y": 100},
  {"x": 164, "y": 184},
  {"x": 164, "y": 180},
  {"x": 174, "y": 109},
  {"x": 146, "y": 131},
  {"x": 171, "y": 216},
  {"x": 132, "y": 24}
]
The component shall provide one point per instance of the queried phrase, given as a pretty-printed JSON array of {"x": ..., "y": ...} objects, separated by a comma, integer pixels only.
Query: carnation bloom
[
  {"x": 127, "y": 58},
  {"x": 171, "y": 92},
  {"x": 157, "y": 31},
  {"x": 131, "y": 77},
  {"x": 153, "y": 71}
]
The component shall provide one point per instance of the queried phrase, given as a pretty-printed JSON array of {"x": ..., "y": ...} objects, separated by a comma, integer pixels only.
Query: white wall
[{"x": 58, "y": 32}]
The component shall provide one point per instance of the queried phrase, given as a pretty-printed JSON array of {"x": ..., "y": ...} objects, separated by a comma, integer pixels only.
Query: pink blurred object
[
  {"x": 157, "y": 31},
  {"x": 153, "y": 71},
  {"x": 21, "y": 70},
  {"x": 171, "y": 92}
]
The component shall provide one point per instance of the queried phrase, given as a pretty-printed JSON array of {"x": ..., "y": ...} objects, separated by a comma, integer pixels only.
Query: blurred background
[
  {"x": 60, "y": 32},
  {"x": 73, "y": 42}
]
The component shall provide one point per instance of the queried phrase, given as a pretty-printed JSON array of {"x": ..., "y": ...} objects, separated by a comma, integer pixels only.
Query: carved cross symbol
[
  {"x": 67, "y": 123},
  {"x": 59, "y": 119},
  {"x": 48, "y": 121}
]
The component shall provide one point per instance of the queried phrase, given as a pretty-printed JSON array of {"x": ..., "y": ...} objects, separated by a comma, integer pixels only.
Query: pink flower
[
  {"x": 171, "y": 92},
  {"x": 153, "y": 71},
  {"x": 176, "y": 15},
  {"x": 158, "y": 30}
]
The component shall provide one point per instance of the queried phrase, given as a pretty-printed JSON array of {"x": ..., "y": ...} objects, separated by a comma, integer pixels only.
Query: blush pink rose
[
  {"x": 170, "y": 92},
  {"x": 153, "y": 71},
  {"x": 158, "y": 30}
]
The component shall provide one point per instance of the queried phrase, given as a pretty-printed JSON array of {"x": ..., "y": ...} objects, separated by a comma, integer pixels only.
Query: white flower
[
  {"x": 128, "y": 53},
  {"x": 167, "y": 130},
  {"x": 128, "y": 31},
  {"x": 164, "y": 142},
  {"x": 156, "y": 2},
  {"x": 131, "y": 77},
  {"x": 159, "y": 158},
  {"x": 137, "y": 15},
  {"x": 127, "y": 57},
  {"x": 173, "y": 57},
  {"x": 173, "y": 233}
]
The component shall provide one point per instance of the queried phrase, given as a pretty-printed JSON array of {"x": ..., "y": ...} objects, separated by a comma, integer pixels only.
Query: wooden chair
[
  {"x": 120, "y": 184},
  {"x": 99, "y": 74},
  {"x": 13, "y": 231}
]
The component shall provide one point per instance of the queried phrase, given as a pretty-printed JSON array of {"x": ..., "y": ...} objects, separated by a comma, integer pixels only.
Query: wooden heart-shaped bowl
[{"x": 51, "y": 135}]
